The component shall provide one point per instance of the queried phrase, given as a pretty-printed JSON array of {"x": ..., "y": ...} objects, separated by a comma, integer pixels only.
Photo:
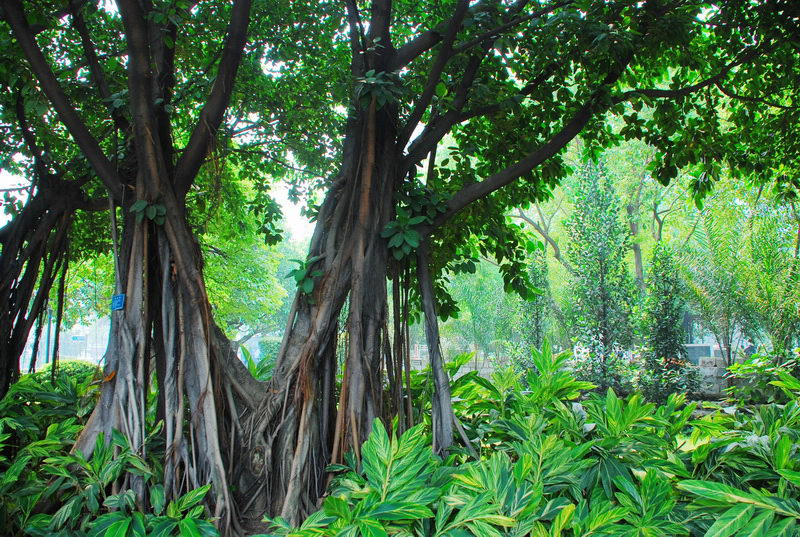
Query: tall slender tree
[
  {"x": 601, "y": 287},
  {"x": 665, "y": 364}
]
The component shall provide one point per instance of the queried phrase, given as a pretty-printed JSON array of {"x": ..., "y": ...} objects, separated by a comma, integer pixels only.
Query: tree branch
[
  {"x": 493, "y": 33},
  {"x": 526, "y": 90},
  {"x": 214, "y": 109},
  {"x": 380, "y": 22},
  {"x": 749, "y": 99},
  {"x": 653, "y": 93},
  {"x": 268, "y": 155},
  {"x": 52, "y": 89},
  {"x": 439, "y": 126},
  {"x": 436, "y": 129},
  {"x": 149, "y": 155},
  {"x": 95, "y": 68},
  {"x": 30, "y": 140},
  {"x": 476, "y": 191},
  {"x": 413, "y": 49},
  {"x": 435, "y": 73},
  {"x": 357, "y": 45},
  {"x": 548, "y": 238}
]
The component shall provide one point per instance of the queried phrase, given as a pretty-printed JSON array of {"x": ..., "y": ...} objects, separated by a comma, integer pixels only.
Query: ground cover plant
[
  {"x": 551, "y": 463},
  {"x": 543, "y": 454}
]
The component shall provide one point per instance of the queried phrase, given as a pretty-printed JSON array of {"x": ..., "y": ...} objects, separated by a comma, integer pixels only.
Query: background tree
[
  {"x": 534, "y": 311},
  {"x": 665, "y": 368},
  {"x": 717, "y": 280},
  {"x": 485, "y": 311},
  {"x": 601, "y": 287},
  {"x": 773, "y": 285}
]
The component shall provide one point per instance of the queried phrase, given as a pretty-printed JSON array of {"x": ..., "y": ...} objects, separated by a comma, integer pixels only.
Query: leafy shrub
[
  {"x": 260, "y": 369},
  {"x": 46, "y": 472},
  {"x": 551, "y": 466},
  {"x": 39, "y": 474},
  {"x": 76, "y": 369},
  {"x": 665, "y": 368},
  {"x": 753, "y": 379},
  {"x": 663, "y": 377},
  {"x": 607, "y": 368}
]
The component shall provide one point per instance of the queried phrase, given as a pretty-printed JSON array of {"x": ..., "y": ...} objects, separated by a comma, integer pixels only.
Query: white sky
[
  {"x": 9, "y": 181},
  {"x": 298, "y": 228}
]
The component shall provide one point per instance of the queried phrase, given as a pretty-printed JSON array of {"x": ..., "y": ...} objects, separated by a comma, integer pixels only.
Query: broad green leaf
[
  {"x": 192, "y": 498},
  {"x": 371, "y": 528},
  {"x": 731, "y": 521},
  {"x": 188, "y": 528},
  {"x": 399, "y": 511}
]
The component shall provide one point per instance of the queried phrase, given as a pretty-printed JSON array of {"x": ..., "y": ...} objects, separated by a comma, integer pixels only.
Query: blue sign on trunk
[{"x": 117, "y": 302}]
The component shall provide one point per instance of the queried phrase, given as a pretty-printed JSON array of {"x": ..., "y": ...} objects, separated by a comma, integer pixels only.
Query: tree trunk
[
  {"x": 34, "y": 251},
  {"x": 300, "y": 428},
  {"x": 633, "y": 223},
  {"x": 164, "y": 334},
  {"x": 441, "y": 405}
]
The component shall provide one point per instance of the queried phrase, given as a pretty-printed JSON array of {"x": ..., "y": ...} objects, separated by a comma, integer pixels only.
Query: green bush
[
  {"x": 41, "y": 418},
  {"x": 666, "y": 370},
  {"x": 753, "y": 379},
  {"x": 551, "y": 466},
  {"x": 77, "y": 369}
]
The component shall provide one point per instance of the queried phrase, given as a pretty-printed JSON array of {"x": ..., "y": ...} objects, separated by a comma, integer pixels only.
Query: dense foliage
[
  {"x": 410, "y": 130},
  {"x": 550, "y": 465},
  {"x": 665, "y": 366},
  {"x": 601, "y": 288}
]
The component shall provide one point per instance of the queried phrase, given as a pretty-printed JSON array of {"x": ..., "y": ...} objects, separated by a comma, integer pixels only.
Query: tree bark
[
  {"x": 441, "y": 405},
  {"x": 34, "y": 249}
]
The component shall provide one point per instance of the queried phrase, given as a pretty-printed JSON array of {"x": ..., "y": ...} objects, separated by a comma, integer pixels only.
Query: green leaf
[
  {"x": 138, "y": 206},
  {"x": 399, "y": 511},
  {"x": 119, "y": 528},
  {"x": 163, "y": 527},
  {"x": 192, "y": 498},
  {"x": 715, "y": 491},
  {"x": 124, "y": 500},
  {"x": 188, "y": 528},
  {"x": 138, "y": 525},
  {"x": 102, "y": 524},
  {"x": 784, "y": 528},
  {"x": 307, "y": 286},
  {"x": 562, "y": 519},
  {"x": 758, "y": 525},
  {"x": 412, "y": 238},
  {"x": 371, "y": 528},
  {"x": 790, "y": 475},
  {"x": 396, "y": 240},
  {"x": 337, "y": 507},
  {"x": 731, "y": 521}
]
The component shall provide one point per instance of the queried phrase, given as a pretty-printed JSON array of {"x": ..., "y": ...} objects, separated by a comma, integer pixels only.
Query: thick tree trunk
[
  {"x": 303, "y": 425},
  {"x": 165, "y": 334}
]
